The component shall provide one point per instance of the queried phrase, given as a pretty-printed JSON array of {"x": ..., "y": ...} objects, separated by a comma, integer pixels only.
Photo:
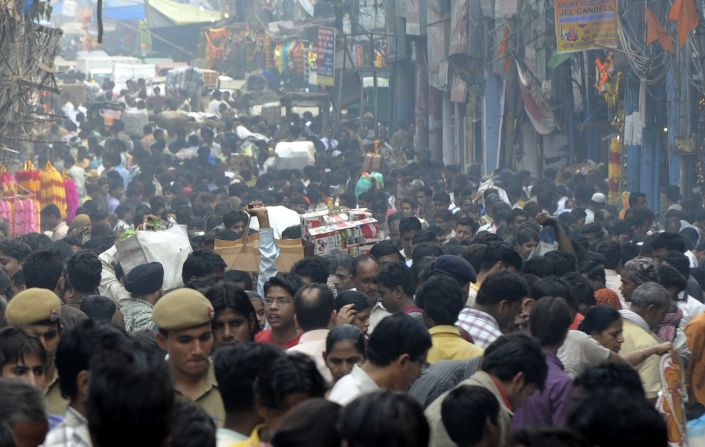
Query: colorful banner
[
  {"x": 325, "y": 58},
  {"x": 537, "y": 108},
  {"x": 586, "y": 25},
  {"x": 358, "y": 55}
]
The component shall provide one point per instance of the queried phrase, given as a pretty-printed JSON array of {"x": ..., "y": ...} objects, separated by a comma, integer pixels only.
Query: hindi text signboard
[
  {"x": 325, "y": 60},
  {"x": 586, "y": 25}
]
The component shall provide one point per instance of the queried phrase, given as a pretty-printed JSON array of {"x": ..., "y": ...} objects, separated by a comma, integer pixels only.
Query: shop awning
[{"x": 169, "y": 12}]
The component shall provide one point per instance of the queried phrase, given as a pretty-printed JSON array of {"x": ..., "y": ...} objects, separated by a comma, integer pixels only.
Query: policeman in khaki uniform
[
  {"x": 184, "y": 319},
  {"x": 38, "y": 311}
]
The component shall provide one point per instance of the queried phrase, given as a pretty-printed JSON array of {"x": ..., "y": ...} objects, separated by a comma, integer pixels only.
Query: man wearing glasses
[{"x": 279, "y": 292}]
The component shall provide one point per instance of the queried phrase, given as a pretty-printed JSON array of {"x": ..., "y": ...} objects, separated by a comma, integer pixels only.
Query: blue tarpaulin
[
  {"x": 125, "y": 13},
  {"x": 123, "y": 9}
]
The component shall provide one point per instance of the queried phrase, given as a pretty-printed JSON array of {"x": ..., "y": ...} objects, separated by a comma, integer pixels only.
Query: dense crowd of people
[{"x": 497, "y": 310}]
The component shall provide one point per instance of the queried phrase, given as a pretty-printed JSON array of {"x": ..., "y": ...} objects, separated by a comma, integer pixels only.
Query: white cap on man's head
[{"x": 598, "y": 197}]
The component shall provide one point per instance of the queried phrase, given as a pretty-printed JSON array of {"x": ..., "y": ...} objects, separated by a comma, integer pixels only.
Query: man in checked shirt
[{"x": 498, "y": 303}]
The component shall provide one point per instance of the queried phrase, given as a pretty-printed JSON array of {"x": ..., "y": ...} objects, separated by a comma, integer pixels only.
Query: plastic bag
[{"x": 170, "y": 247}]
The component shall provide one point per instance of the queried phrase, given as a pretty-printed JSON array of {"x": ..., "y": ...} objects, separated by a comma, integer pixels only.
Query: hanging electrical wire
[
  {"x": 698, "y": 80},
  {"x": 650, "y": 68}
]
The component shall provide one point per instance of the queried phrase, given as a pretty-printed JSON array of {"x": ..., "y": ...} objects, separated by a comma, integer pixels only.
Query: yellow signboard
[{"x": 586, "y": 25}]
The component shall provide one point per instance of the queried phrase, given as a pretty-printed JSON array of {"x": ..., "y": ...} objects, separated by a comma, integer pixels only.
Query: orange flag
[
  {"x": 687, "y": 15},
  {"x": 655, "y": 31},
  {"x": 503, "y": 47}
]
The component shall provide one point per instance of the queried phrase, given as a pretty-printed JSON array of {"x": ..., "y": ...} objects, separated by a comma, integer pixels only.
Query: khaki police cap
[
  {"x": 33, "y": 306},
  {"x": 182, "y": 309}
]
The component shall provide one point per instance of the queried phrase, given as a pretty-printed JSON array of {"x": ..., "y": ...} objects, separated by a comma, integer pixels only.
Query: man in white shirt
[
  {"x": 314, "y": 307},
  {"x": 409, "y": 227},
  {"x": 214, "y": 105},
  {"x": 76, "y": 172},
  {"x": 52, "y": 224},
  {"x": 207, "y": 139},
  {"x": 329, "y": 140},
  {"x": 70, "y": 110},
  {"x": 396, "y": 353}
]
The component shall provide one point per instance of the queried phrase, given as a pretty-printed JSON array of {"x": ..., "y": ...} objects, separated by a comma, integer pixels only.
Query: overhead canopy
[
  {"x": 157, "y": 12},
  {"x": 123, "y": 9},
  {"x": 170, "y": 12}
]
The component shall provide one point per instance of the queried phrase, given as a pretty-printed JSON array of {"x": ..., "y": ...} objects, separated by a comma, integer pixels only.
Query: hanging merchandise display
[
  {"x": 29, "y": 178},
  {"x": 310, "y": 54},
  {"x": 297, "y": 57},
  {"x": 289, "y": 56},
  {"x": 605, "y": 70},
  {"x": 18, "y": 206},
  {"x": 608, "y": 81},
  {"x": 72, "y": 200},
  {"x": 614, "y": 169},
  {"x": 238, "y": 50},
  {"x": 266, "y": 42},
  {"x": 279, "y": 57},
  {"x": 216, "y": 41},
  {"x": 52, "y": 188},
  {"x": 8, "y": 183},
  {"x": 25, "y": 214},
  {"x": 380, "y": 62}
]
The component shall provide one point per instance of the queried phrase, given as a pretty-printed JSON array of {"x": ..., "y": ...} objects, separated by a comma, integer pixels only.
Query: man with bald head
[
  {"x": 649, "y": 305},
  {"x": 314, "y": 307},
  {"x": 365, "y": 270}
]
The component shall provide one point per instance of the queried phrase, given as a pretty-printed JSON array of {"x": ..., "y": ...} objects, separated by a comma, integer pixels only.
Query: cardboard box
[
  {"x": 357, "y": 250},
  {"x": 316, "y": 219},
  {"x": 295, "y": 155},
  {"x": 342, "y": 235},
  {"x": 326, "y": 242},
  {"x": 244, "y": 254}
]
